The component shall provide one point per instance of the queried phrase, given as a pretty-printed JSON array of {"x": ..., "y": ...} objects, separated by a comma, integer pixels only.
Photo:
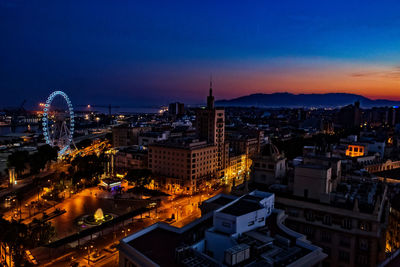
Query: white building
[
  {"x": 245, "y": 213},
  {"x": 256, "y": 236}
]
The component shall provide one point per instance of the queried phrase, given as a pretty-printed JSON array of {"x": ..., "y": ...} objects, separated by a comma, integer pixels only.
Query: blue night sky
[{"x": 152, "y": 52}]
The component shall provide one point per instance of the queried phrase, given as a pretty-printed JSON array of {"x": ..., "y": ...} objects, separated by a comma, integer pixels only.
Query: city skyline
[{"x": 134, "y": 54}]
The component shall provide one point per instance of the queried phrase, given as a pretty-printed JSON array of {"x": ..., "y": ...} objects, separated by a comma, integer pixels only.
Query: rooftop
[
  {"x": 322, "y": 157},
  {"x": 132, "y": 149},
  {"x": 221, "y": 199},
  {"x": 313, "y": 166},
  {"x": 366, "y": 193},
  {"x": 150, "y": 246},
  {"x": 241, "y": 207},
  {"x": 152, "y": 134},
  {"x": 182, "y": 143}
]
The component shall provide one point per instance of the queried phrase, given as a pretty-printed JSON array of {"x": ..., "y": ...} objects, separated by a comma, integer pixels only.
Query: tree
[
  {"x": 36, "y": 163},
  {"x": 17, "y": 160},
  {"x": 48, "y": 152},
  {"x": 140, "y": 177},
  {"x": 39, "y": 159},
  {"x": 15, "y": 234},
  {"x": 20, "y": 237},
  {"x": 45, "y": 233},
  {"x": 88, "y": 167}
]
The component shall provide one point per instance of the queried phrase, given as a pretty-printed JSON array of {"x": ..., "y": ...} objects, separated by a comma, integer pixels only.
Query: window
[
  {"x": 293, "y": 212},
  {"x": 309, "y": 231},
  {"x": 363, "y": 244},
  {"x": 344, "y": 256},
  {"x": 327, "y": 220},
  {"x": 362, "y": 259},
  {"x": 309, "y": 215},
  {"x": 346, "y": 223},
  {"x": 344, "y": 241},
  {"x": 326, "y": 236},
  {"x": 364, "y": 226}
]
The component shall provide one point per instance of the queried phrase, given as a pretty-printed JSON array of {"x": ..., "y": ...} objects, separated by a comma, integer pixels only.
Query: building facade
[
  {"x": 269, "y": 167},
  {"x": 183, "y": 165},
  {"x": 210, "y": 126},
  {"x": 349, "y": 237},
  {"x": 125, "y": 135},
  {"x": 130, "y": 158},
  {"x": 176, "y": 109}
]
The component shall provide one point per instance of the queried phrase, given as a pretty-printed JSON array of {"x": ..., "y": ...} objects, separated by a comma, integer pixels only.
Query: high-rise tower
[{"x": 210, "y": 126}]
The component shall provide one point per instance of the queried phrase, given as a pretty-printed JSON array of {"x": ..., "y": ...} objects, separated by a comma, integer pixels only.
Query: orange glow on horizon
[{"x": 377, "y": 84}]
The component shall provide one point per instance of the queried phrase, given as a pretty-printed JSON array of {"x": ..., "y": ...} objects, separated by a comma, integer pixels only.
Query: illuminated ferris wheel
[{"x": 58, "y": 121}]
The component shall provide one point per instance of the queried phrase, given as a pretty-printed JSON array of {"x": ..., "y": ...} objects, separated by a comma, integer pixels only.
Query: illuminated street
[{"x": 185, "y": 210}]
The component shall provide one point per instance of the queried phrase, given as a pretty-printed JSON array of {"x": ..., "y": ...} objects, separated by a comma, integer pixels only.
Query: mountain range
[{"x": 331, "y": 100}]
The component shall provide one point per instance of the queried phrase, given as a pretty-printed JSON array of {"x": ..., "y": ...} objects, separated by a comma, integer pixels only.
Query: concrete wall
[
  {"x": 225, "y": 223},
  {"x": 251, "y": 221},
  {"x": 312, "y": 181}
]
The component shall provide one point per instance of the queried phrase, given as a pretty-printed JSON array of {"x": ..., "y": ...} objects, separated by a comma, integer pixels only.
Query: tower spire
[
  {"x": 210, "y": 98},
  {"x": 210, "y": 85}
]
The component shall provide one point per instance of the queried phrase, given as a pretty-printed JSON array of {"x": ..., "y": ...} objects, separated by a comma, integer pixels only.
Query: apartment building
[{"x": 182, "y": 164}]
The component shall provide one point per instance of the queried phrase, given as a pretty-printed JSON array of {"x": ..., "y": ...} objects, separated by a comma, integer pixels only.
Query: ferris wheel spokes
[{"x": 58, "y": 123}]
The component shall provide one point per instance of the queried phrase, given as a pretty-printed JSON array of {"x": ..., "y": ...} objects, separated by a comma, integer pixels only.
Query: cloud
[{"x": 393, "y": 73}]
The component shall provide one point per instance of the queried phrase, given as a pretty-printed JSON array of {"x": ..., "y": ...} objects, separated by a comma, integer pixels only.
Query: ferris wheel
[{"x": 58, "y": 121}]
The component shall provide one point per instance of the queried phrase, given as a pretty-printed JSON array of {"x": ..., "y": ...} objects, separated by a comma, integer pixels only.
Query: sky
[{"x": 138, "y": 53}]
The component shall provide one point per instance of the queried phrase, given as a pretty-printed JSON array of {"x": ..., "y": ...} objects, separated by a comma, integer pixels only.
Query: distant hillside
[{"x": 304, "y": 100}]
